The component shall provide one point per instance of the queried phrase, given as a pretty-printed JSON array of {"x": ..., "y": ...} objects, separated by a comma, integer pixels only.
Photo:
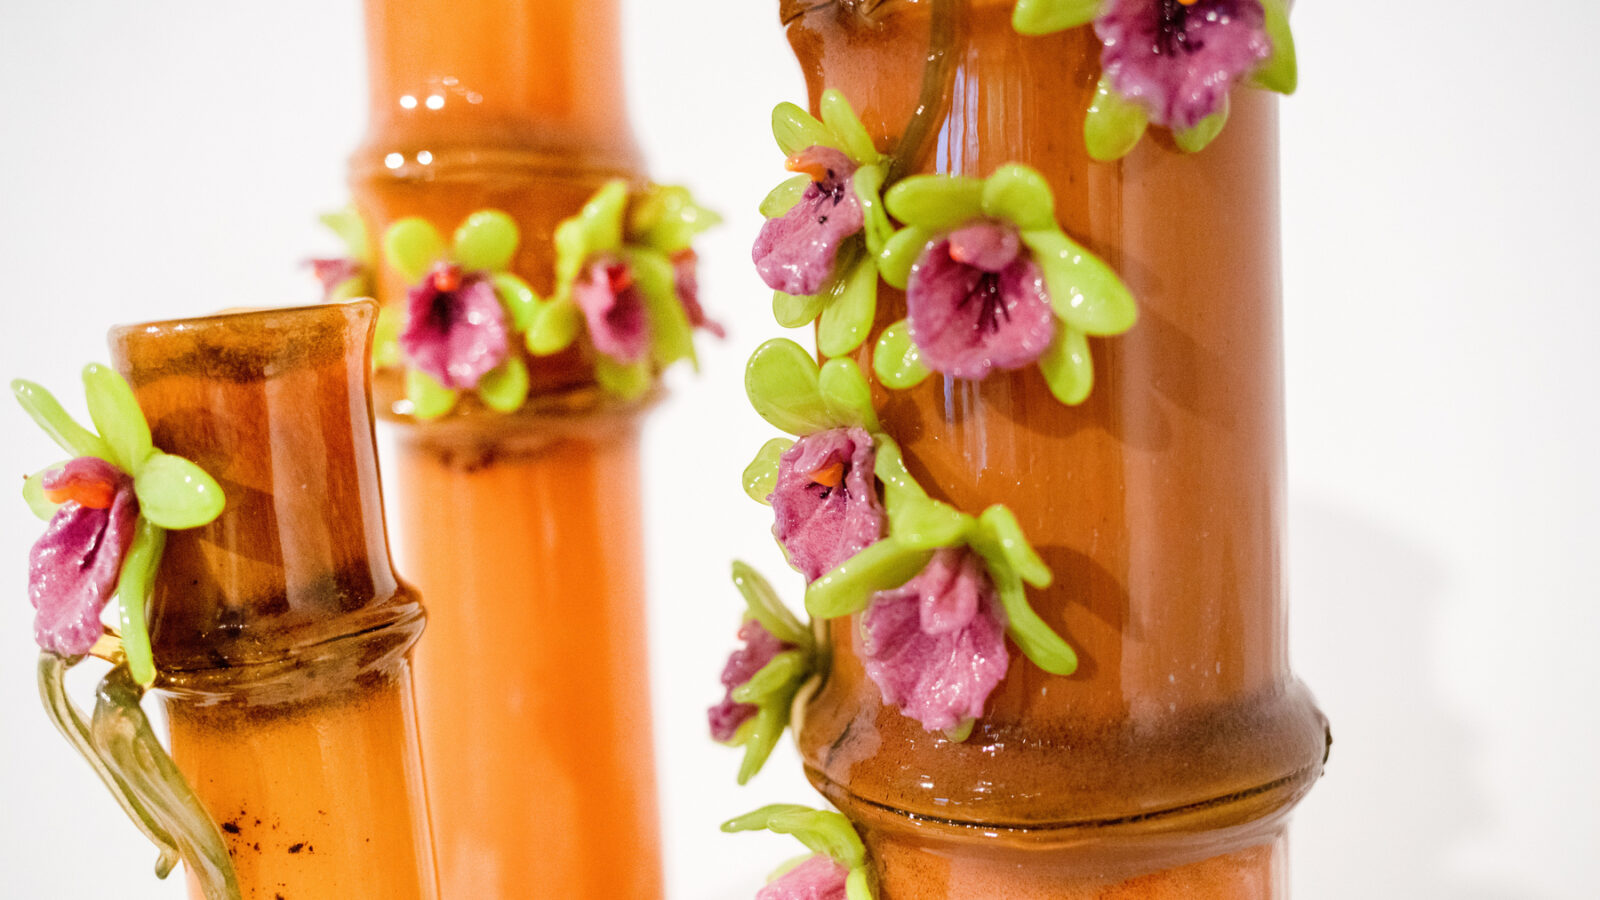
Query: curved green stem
[{"x": 946, "y": 25}]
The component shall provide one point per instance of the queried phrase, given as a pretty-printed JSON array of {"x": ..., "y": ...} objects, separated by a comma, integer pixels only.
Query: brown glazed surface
[
  {"x": 280, "y": 629},
  {"x": 1158, "y": 503},
  {"x": 530, "y": 121}
]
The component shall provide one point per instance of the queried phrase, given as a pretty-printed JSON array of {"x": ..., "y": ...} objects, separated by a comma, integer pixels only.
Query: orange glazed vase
[
  {"x": 280, "y": 632},
  {"x": 521, "y": 528},
  {"x": 1165, "y": 766}
]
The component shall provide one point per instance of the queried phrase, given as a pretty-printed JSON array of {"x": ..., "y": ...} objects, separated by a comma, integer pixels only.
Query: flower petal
[
  {"x": 412, "y": 246},
  {"x": 46, "y": 412},
  {"x": 73, "y": 570},
  {"x": 505, "y": 387},
  {"x": 1180, "y": 61},
  {"x": 554, "y": 326},
  {"x": 818, "y": 877},
  {"x": 175, "y": 493},
  {"x": 117, "y": 416},
  {"x": 897, "y": 360},
  {"x": 486, "y": 241},
  {"x": 1084, "y": 291},
  {"x": 966, "y": 321},
  {"x": 429, "y": 399},
  {"x": 614, "y": 309},
  {"x": 1114, "y": 125},
  {"x": 847, "y": 318},
  {"x": 761, "y": 476},
  {"x": 847, "y": 395},
  {"x": 825, "y": 503},
  {"x": 849, "y": 586},
  {"x": 1067, "y": 368},
  {"x": 455, "y": 336},
  {"x": 1280, "y": 72},
  {"x": 849, "y": 134},
  {"x": 795, "y": 129},
  {"x": 1021, "y": 195},
  {"x": 1037, "y": 17},
  {"x": 798, "y": 252},
  {"x": 781, "y": 382},
  {"x": 936, "y": 202}
]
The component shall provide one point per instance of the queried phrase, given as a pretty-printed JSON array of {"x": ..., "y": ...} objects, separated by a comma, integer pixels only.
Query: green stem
[{"x": 946, "y": 26}]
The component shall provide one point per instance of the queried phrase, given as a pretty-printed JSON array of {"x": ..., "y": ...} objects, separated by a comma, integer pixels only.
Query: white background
[{"x": 163, "y": 158}]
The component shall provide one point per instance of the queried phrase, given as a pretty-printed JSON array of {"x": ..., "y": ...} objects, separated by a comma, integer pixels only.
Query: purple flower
[
  {"x": 614, "y": 309},
  {"x": 687, "y": 285},
  {"x": 818, "y": 878},
  {"x": 1178, "y": 61},
  {"x": 74, "y": 566},
  {"x": 759, "y": 648},
  {"x": 825, "y": 502},
  {"x": 335, "y": 272},
  {"x": 795, "y": 252},
  {"x": 974, "y": 302},
  {"x": 455, "y": 327},
  {"x": 936, "y": 645}
]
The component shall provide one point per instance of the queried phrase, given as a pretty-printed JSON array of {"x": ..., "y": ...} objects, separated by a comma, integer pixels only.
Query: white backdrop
[{"x": 164, "y": 158}]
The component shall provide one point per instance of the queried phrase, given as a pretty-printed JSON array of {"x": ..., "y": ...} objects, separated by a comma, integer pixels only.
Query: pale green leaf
[
  {"x": 1280, "y": 72},
  {"x": 1084, "y": 292},
  {"x": 1067, "y": 368},
  {"x": 849, "y": 586},
  {"x": 671, "y": 335},
  {"x": 821, "y": 831},
  {"x": 175, "y": 493},
  {"x": 352, "y": 232},
  {"x": 900, "y": 253},
  {"x": 429, "y": 399},
  {"x": 781, "y": 382},
  {"x": 875, "y": 225},
  {"x": 936, "y": 202},
  {"x": 1020, "y": 195},
  {"x": 412, "y": 246},
  {"x": 760, "y": 736},
  {"x": 849, "y": 134},
  {"x": 780, "y": 673},
  {"x": 1195, "y": 139},
  {"x": 1114, "y": 124},
  {"x": 46, "y": 412},
  {"x": 486, "y": 241},
  {"x": 505, "y": 387},
  {"x": 785, "y": 196},
  {"x": 847, "y": 319},
  {"x": 847, "y": 395},
  {"x": 626, "y": 381},
  {"x": 133, "y": 594},
  {"x": 33, "y": 492},
  {"x": 519, "y": 300},
  {"x": 553, "y": 327},
  {"x": 1035, "y": 17},
  {"x": 386, "y": 339},
  {"x": 796, "y": 129},
  {"x": 116, "y": 415},
  {"x": 795, "y": 310},
  {"x": 921, "y": 523},
  {"x": 896, "y": 358},
  {"x": 858, "y": 884},
  {"x": 600, "y": 220},
  {"x": 761, "y": 476},
  {"x": 666, "y": 218},
  {"x": 1002, "y": 535},
  {"x": 1033, "y": 637},
  {"x": 766, "y": 608}
]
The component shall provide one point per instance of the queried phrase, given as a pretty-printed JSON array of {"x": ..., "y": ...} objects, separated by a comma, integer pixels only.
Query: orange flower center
[
  {"x": 830, "y": 475},
  {"x": 88, "y": 494}
]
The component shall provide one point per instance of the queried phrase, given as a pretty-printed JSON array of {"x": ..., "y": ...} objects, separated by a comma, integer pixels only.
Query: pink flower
[
  {"x": 332, "y": 273},
  {"x": 1178, "y": 61},
  {"x": 825, "y": 501},
  {"x": 456, "y": 328},
  {"x": 759, "y": 648},
  {"x": 795, "y": 252},
  {"x": 687, "y": 284},
  {"x": 818, "y": 878},
  {"x": 614, "y": 310},
  {"x": 936, "y": 645},
  {"x": 974, "y": 302},
  {"x": 74, "y": 566}
]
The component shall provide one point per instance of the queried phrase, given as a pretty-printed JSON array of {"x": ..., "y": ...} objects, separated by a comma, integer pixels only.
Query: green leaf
[
  {"x": 1032, "y": 636},
  {"x": 519, "y": 300},
  {"x": 785, "y": 196},
  {"x": 429, "y": 399},
  {"x": 352, "y": 232},
  {"x": 671, "y": 335},
  {"x": 572, "y": 250},
  {"x": 783, "y": 671},
  {"x": 848, "y": 132},
  {"x": 486, "y": 241},
  {"x": 1001, "y": 536},
  {"x": 133, "y": 594},
  {"x": 796, "y": 129},
  {"x": 961, "y": 732},
  {"x": 897, "y": 360},
  {"x": 626, "y": 381},
  {"x": 412, "y": 246},
  {"x": 781, "y": 381},
  {"x": 1199, "y": 137},
  {"x": 795, "y": 310},
  {"x": 554, "y": 326},
  {"x": 33, "y": 492},
  {"x": 600, "y": 220},
  {"x": 1067, "y": 368},
  {"x": 1114, "y": 124},
  {"x": 890, "y": 468},
  {"x": 758, "y": 819},
  {"x": 847, "y": 395},
  {"x": 760, "y": 736},
  {"x": 858, "y": 884},
  {"x": 116, "y": 415},
  {"x": 900, "y": 253},
  {"x": 1280, "y": 72},
  {"x": 936, "y": 202},
  {"x": 386, "y": 339},
  {"x": 761, "y": 476},
  {"x": 921, "y": 523},
  {"x": 505, "y": 387},
  {"x": 875, "y": 225},
  {"x": 175, "y": 493},
  {"x": 1021, "y": 195},
  {"x": 666, "y": 219},
  {"x": 821, "y": 831},
  {"x": 847, "y": 319},
  {"x": 766, "y": 608},
  {"x": 1037, "y": 17},
  {"x": 46, "y": 412},
  {"x": 849, "y": 586},
  {"x": 1084, "y": 292},
  {"x": 350, "y": 288}
]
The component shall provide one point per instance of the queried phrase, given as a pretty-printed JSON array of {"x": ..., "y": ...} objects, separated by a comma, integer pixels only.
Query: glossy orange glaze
[
  {"x": 1158, "y": 503},
  {"x": 524, "y": 534},
  {"x": 279, "y": 629}
]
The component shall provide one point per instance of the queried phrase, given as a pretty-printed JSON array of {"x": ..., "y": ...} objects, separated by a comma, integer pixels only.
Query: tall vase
[
  {"x": 280, "y": 632},
  {"x": 520, "y": 528},
  {"x": 1166, "y": 765}
]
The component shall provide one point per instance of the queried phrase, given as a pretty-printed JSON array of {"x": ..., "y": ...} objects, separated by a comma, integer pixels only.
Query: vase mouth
[{"x": 244, "y": 343}]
